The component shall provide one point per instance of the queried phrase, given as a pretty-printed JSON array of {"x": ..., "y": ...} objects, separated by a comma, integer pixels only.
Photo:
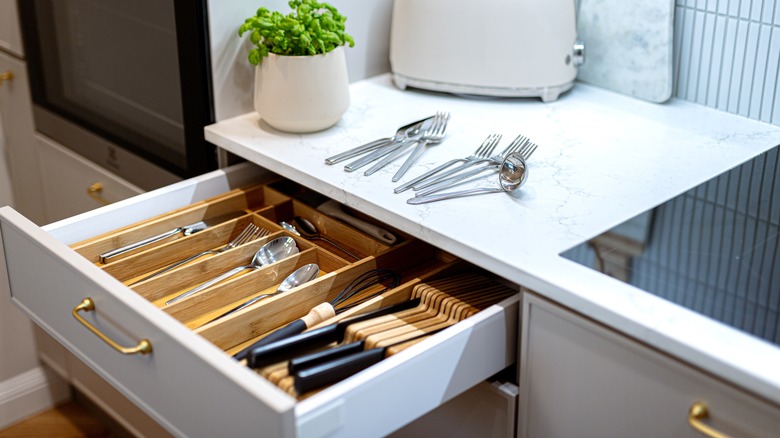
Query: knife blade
[{"x": 185, "y": 230}]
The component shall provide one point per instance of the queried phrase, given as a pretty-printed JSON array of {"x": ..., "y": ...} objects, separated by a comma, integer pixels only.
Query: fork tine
[
  {"x": 484, "y": 145},
  {"x": 260, "y": 232},
  {"x": 523, "y": 150},
  {"x": 487, "y": 146},
  {"x": 440, "y": 124},
  {"x": 245, "y": 235},
  {"x": 517, "y": 142},
  {"x": 492, "y": 146},
  {"x": 531, "y": 150}
]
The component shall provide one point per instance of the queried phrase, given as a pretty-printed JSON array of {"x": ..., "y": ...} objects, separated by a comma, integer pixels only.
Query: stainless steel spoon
[
  {"x": 304, "y": 274},
  {"x": 271, "y": 252},
  {"x": 306, "y": 229},
  {"x": 512, "y": 174}
]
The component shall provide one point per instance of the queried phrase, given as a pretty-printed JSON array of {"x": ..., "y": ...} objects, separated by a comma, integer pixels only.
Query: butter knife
[{"x": 185, "y": 230}]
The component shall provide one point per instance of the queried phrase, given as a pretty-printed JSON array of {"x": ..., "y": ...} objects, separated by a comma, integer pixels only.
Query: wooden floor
[{"x": 69, "y": 420}]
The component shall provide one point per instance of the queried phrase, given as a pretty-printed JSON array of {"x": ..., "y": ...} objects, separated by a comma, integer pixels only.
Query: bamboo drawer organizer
[{"x": 416, "y": 262}]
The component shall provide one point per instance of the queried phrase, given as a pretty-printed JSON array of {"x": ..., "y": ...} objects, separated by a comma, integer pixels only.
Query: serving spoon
[
  {"x": 271, "y": 252},
  {"x": 512, "y": 174},
  {"x": 304, "y": 274},
  {"x": 306, "y": 229}
]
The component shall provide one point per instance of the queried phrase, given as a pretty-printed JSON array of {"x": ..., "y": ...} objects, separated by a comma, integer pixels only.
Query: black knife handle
[
  {"x": 318, "y": 314},
  {"x": 334, "y": 371},
  {"x": 328, "y": 355},
  {"x": 289, "y": 344},
  {"x": 287, "y": 348},
  {"x": 291, "y": 329}
]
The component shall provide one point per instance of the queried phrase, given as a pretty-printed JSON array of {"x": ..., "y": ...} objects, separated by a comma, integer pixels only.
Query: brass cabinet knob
[
  {"x": 696, "y": 416},
  {"x": 95, "y": 192},
  {"x": 6, "y": 76}
]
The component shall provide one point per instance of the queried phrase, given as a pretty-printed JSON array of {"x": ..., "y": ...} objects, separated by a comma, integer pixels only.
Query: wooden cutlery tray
[
  {"x": 264, "y": 207},
  {"x": 187, "y": 379}
]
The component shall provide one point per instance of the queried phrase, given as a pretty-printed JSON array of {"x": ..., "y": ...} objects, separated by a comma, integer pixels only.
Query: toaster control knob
[{"x": 578, "y": 53}]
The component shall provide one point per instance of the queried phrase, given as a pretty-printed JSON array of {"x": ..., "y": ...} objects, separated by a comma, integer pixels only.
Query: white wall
[{"x": 367, "y": 21}]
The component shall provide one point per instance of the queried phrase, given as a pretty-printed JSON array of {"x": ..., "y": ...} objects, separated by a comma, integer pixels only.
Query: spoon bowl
[
  {"x": 273, "y": 251},
  {"x": 306, "y": 229},
  {"x": 513, "y": 173},
  {"x": 289, "y": 227},
  {"x": 304, "y": 274}
]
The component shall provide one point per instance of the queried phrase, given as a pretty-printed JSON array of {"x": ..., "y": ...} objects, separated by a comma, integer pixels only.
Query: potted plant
[{"x": 301, "y": 82}]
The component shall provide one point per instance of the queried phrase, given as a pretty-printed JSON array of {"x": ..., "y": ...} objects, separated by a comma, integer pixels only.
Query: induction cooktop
[{"x": 714, "y": 249}]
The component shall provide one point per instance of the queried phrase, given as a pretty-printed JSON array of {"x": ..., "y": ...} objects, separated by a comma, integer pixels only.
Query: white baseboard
[{"x": 29, "y": 393}]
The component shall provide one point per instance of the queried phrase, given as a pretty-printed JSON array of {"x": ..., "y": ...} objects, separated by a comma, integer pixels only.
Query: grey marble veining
[{"x": 628, "y": 46}]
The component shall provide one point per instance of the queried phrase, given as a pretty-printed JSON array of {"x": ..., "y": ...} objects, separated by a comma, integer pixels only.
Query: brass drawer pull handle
[
  {"x": 697, "y": 414},
  {"x": 94, "y": 191},
  {"x": 87, "y": 305},
  {"x": 6, "y": 76}
]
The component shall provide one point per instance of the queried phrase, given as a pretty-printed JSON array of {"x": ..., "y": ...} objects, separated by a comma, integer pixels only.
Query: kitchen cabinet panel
[
  {"x": 579, "y": 378},
  {"x": 10, "y": 35},
  {"x": 73, "y": 185},
  {"x": 19, "y": 136}
]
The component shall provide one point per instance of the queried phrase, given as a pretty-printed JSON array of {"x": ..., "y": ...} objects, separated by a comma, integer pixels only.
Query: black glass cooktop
[{"x": 714, "y": 249}]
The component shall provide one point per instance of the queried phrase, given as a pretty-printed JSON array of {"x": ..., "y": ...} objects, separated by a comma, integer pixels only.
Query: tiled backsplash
[{"x": 727, "y": 56}]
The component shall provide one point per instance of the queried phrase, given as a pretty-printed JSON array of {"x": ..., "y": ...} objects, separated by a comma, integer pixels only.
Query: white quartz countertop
[{"x": 603, "y": 158}]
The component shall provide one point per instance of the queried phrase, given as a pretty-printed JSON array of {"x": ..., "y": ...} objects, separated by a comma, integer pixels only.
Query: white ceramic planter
[{"x": 302, "y": 93}]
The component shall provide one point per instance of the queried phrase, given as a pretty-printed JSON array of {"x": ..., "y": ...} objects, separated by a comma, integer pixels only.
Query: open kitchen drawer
[{"x": 189, "y": 382}]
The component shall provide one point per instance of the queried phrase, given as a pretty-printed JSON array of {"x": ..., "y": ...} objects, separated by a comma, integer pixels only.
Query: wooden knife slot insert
[{"x": 264, "y": 207}]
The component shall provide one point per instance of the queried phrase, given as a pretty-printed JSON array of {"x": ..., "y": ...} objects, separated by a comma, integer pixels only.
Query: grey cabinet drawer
[
  {"x": 579, "y": 378},
  {"x": 188, "y": 383}
]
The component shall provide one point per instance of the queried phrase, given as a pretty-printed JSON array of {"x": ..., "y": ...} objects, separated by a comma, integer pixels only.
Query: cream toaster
[{"x": 513, "y": 48}]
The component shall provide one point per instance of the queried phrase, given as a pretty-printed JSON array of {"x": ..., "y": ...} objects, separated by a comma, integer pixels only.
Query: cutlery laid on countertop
[
  {"x": 512, "y": 175},
  {"x": 524, "y": 148},
  {"x": 431, "y": 133},
  {"x": 401, "y": 134},
  {"x": 483, "y": 151}
]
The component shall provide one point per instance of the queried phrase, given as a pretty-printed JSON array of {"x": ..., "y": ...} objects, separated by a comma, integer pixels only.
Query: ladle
[
  {"x": 271, "y": 252},
  {"x": 304, "y": 274},
  {"x": 512, "y": 174},
  {"x": 306, "y": 229}
]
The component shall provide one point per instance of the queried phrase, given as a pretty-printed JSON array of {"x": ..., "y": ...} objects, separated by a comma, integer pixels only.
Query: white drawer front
[
  {"x": 186, "y": 383},
  {"x": 193, "y": 388}
]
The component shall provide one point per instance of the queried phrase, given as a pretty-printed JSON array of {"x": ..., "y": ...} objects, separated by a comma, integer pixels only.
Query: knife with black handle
[
  {"x": 333, "y": 365},
  {"x": 264, "y": 353}
]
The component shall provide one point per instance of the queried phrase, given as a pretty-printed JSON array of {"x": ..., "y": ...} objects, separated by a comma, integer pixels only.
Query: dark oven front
[{"x": 125, "y": 84}]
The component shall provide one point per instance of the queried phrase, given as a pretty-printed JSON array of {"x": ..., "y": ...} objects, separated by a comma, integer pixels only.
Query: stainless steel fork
[
  {"x": 516, "y": 144},
  {"x": 435, "y": 136},
  {"x": 433, "y": 133},
  {"x": 483, "y": 151},
  {"x": 249, "y": 233},
  {"x": 524, "y": 147}
]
